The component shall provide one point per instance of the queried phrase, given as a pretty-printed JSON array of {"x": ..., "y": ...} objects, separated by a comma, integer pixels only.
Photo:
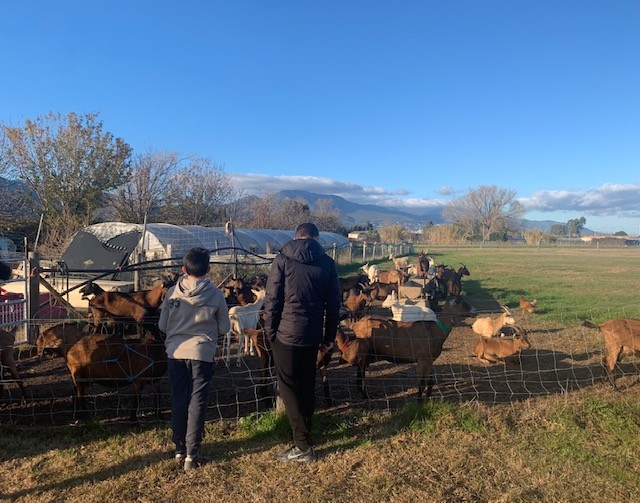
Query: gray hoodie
[{"x": 194, "y": 314}]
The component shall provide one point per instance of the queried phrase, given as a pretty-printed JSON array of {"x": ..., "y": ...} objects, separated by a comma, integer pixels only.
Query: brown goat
[
  {"x": 60, "y": 338},
  {"x": 359, "y": 301},
  {"x": 621, "y": 338},
  {"x": 263, "y": 348},
  {"x": 108, "y": 361},
  {"x": 380, "y": 291},
  {"x": 7, "y": 340},
  {"x": 395, "y": 276},
  {"x": 346, "y": 284},
  {"x": 526, "y": 306},
  {"x": 238, "y": 292},
  {"x": 399, "y": 342},
  {"x": 501, "y": 348},
  {"x": 453, "y": 279},
  {"x": 138, "y": 307}
]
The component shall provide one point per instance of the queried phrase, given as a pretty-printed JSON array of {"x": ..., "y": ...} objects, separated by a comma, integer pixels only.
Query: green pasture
[{"x": 569, "y": 283}]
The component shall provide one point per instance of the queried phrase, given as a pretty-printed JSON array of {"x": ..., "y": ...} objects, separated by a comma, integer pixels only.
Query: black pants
[
  {"x": 296, "y": 371},
  {"x": 190, "y": 381}
]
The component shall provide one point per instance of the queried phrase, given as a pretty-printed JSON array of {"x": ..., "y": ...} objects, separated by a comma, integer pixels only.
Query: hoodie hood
[
  {"x": 197, "y": 292},
  {"x": 306, "y": 251}
]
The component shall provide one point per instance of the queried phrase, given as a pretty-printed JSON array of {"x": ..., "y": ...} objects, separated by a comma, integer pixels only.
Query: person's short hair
[
  {"x": 196, "y": 262},
  {"x": 5, "y": 271},
  {"x": 307, "y": 230}
]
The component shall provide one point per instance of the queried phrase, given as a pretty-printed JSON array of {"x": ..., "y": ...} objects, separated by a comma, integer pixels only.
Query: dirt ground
[{"x": 561, "y": 359}]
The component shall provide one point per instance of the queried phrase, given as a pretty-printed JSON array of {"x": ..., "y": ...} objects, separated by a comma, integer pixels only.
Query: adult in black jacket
[{"x": 302, "y": 305}]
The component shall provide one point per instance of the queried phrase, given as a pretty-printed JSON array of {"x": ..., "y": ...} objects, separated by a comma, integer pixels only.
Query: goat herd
[{"x": 121, "y": 346}]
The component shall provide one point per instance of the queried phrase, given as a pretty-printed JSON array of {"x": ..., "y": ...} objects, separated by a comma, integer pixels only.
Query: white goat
[
  {"x": 407, "y": 312},
  {"x": 488, "y": 327},
  {"x": 371, "y": 271},
  {"x": 242, "y": 317}
]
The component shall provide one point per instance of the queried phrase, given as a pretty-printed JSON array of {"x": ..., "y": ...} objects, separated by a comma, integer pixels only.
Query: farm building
[{"x": 108, "y": 245}]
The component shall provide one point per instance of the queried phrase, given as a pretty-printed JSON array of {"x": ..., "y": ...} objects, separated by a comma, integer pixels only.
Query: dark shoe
[
  {"x": 297, "y": 454},
  {"x": 197, "y": 462}
]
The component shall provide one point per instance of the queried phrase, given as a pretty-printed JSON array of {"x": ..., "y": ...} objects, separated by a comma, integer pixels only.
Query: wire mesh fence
[{"x": 563, "y": 357}]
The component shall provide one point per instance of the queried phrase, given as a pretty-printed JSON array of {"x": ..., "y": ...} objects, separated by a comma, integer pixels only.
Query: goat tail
[{"x": 587, "y": 323}]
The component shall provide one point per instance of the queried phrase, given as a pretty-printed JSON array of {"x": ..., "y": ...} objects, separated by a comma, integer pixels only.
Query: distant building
[{"x": 358, "y": 236}]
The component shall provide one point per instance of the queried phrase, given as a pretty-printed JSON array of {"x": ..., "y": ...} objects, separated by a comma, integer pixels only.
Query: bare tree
[
  {"x": 142, "y": 195},
  {"x": 69, "y": 163},
  {"x": 485, "y": 211},
  {"x": 534, "y": 237},
  {"x": 445, "y": 235},
  {"x": 394, "y": 233},
  {"x": 197, "y": 194},
  {"x": 271, "y": 212},
  {"x": 326, "y": 217}
]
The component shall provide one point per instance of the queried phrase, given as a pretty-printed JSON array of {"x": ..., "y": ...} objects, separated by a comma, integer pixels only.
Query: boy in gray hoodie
[{"x": 194, "y": 314}]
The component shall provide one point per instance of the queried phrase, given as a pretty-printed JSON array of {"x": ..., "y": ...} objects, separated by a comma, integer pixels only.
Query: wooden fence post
[{"x": 33, "y": 302}]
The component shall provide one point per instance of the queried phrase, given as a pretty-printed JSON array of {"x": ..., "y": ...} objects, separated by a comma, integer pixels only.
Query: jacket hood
[
  {"x": 306, "y": 251},
  {"x": 196, "y": 291}
]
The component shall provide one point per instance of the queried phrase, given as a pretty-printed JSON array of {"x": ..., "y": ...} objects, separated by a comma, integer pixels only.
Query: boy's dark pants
[
  {"x": 190, "y": 381},
  {"x": 296, "y": 371}
]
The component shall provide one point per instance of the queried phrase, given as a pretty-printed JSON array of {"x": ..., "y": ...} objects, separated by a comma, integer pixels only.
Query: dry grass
[{"x": 565, "y": 448}]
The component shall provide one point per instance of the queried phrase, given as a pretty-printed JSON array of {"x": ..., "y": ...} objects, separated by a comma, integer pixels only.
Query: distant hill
[
  {"x": 413, "y": 218},
  {"x": 358, "y": 214}
]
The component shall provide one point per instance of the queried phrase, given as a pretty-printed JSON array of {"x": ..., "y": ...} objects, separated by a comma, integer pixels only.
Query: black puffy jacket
[{"x": 302, "y": 292}]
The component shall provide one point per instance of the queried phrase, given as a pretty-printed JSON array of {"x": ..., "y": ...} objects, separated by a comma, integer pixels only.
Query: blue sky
[{"x": 388, "y": 102}]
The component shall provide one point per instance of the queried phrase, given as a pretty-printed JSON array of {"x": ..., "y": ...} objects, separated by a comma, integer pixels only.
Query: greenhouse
[{"x": 109, "y": 245}]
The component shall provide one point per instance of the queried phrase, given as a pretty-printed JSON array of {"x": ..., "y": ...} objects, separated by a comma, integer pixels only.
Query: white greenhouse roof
[{"x": 167, "y": 240}]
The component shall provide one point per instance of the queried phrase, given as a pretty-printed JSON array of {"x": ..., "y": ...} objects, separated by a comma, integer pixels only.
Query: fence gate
[{"x": 14, "y": 295}]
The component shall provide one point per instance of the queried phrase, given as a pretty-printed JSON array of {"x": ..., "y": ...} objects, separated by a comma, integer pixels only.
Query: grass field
[{"x": 578, "y": 443}]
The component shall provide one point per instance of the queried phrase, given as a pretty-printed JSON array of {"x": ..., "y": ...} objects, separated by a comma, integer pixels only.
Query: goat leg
[
  {"x": 14, "y": 373},
  {"x": 80, "y": 409},
  {"x": 325, "y": 386},
  {"x": 423, "y": 369},
  {"x": 135, "y": 402},
  {"x": 155, "y": 388},
  {"x": 360, "y": 375}
]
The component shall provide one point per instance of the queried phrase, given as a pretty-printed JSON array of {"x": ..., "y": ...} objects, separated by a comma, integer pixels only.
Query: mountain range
[
  {"x": 358, "y": 214},
  {"x": 413, "y": 218}
]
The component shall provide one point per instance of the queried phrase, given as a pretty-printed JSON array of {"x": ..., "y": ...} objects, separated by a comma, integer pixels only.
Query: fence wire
[{"x": 564, "y": 357}]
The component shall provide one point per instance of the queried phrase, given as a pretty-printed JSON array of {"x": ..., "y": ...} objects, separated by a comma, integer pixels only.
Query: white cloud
[
  {"x": 610, "y": 199},
  {"x": 446, "y": 190},
  {"x": 260, "y": 184}
]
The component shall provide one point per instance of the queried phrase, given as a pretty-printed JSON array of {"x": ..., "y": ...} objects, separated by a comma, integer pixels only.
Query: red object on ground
[{"x": 49, "y": 310}]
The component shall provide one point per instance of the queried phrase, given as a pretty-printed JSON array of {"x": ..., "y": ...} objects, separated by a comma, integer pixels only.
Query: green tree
[
  {"x": 558, "y": 230},
  {"x": 69, "y": 163},
  {"x": 575, "y": 226}
]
